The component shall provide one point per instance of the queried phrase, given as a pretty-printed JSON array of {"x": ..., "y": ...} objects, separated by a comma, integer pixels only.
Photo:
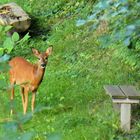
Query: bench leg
[{"x": 125, "y": 116}]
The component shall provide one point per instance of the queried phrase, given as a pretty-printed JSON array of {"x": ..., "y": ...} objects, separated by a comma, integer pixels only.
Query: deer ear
[
  {"x": 35, "y": 52},
  {"x": 49, "y": 51}
]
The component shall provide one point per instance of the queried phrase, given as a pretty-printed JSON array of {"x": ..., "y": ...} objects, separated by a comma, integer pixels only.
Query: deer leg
[
  {"x": 12, "y": 97},
  {"x": 26, "y": 101},
  {"x": 33, "y": 101},
  {"x": 23, "y": 96}
]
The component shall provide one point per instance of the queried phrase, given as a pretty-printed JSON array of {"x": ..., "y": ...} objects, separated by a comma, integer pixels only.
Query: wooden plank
[
  {"x": 126, "y": 116},
  {"x": 114, "y": 91},
  {"x": 126, "y": 101},
  {"x": 130, "y": 92}
]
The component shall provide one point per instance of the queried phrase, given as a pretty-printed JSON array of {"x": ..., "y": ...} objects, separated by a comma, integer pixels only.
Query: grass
[{"x": 71, "y": 102}]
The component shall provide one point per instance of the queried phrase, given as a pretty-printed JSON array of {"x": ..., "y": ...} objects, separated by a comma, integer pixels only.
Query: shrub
[{"x": 116, "y": 24}]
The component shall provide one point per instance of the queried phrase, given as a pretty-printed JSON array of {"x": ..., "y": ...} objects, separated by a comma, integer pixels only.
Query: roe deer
[{"x": 28, "y": 76}]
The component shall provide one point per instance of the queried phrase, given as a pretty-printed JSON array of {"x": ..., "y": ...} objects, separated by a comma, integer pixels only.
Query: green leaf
[
  {"x": 25, "y": 38},
  {"x": 80, "y": 22},
  {"x": 15, "y": 36},
  {"x": 55, "y": 136},
  {"x": 127, "y": 41},
  {"x": 137, "y": 22},
  {"x": 123, "y": 10},
  {"x": 91, "y": 17},
  {"x": 4, "y": 58},
  {"x": 1, "y": 51},
  {"x": 8, "y": 44},
  {"x": 131, "y": 27},
  {"x": 27, "y": 136}
]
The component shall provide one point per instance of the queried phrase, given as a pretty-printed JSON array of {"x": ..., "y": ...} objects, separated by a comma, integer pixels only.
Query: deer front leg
[
  {"x": 33, "y": 101},
  {"x": 26, "y": 101},
  {"x": 12, "y": 98}
]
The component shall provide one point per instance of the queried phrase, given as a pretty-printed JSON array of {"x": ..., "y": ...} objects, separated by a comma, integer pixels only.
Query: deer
[{"x": 28, "y": 76}]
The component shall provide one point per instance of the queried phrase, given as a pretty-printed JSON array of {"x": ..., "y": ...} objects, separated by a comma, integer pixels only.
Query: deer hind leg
[
  {"x": 33, "y": 101},
  {"x": 26, "y": 90},
  {"x": 23, "y": 97}
]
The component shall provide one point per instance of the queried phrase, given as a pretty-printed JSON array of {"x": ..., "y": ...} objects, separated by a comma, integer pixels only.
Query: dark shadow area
[
  {"x": 135, "y": 116},
  {"x": 36, "y": 30}
]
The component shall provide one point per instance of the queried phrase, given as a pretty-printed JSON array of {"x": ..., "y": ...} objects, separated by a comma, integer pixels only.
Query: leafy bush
[
  {"x": 116, "y": 23},
  {"x": 7, "y": 43}
]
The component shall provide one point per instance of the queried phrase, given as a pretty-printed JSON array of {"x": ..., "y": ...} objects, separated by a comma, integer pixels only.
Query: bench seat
[{"x": 125, "y": 96}]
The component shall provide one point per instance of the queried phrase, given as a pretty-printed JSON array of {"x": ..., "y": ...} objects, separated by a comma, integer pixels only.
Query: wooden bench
[{"x": 125, "y": 96}]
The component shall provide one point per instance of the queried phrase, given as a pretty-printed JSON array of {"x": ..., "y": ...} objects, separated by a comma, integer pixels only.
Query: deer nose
[{"x": 43, "y": 65}]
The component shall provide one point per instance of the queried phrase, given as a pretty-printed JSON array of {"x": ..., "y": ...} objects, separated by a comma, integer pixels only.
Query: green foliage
[
  {"x": 71, "y": 102},
  {"x": 15, "y": 36},
  {"x": 116, "y": 23},
  {"x": 7, "y": 43}
]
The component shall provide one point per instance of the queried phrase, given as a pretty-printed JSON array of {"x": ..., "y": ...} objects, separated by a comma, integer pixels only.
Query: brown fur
[{"x": 28, "y": 76}]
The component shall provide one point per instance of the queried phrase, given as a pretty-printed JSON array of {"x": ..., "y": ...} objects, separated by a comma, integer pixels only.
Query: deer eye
[{"x": 46, "y": 58}]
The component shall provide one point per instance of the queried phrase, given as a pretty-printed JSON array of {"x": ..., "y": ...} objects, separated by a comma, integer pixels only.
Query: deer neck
[{"x": 39, "y": 73}]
